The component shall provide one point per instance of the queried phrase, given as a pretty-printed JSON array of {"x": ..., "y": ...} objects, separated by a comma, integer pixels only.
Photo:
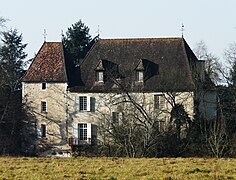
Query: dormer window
[
  {"x": 99, "y": 72},
  {"x": 99, "y": 76},
  {"x": 139, "y": 70},
  {"x": 139, "y": 76}
]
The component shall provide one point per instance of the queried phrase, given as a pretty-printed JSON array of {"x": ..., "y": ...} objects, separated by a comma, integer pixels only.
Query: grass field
[{"x": 117, "y": 168}]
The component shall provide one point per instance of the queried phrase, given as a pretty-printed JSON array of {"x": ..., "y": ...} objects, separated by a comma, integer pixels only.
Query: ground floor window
[
  {"x": 83, "y": 132},
  {"x": 43, "y": 130}
]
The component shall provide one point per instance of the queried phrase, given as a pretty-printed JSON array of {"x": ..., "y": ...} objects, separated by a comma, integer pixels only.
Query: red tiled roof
[{"x": 48, "y": 65}]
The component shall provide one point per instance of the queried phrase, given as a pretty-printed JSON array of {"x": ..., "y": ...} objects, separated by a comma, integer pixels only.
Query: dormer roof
[
  {"x": 100, "y": 66},
  {"x": 140, "y": 66}
]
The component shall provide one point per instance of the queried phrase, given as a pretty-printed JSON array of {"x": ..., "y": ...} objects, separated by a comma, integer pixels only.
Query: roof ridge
[
  {"x": 53, "y": 42},
  {"x": 140, "y": 39}
]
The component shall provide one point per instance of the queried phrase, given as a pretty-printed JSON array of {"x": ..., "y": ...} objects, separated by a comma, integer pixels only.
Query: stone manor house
[{"x": 70, "y": 103}]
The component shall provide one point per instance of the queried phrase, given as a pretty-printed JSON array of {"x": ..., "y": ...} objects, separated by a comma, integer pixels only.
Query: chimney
[{"x": 201, "y": 70}]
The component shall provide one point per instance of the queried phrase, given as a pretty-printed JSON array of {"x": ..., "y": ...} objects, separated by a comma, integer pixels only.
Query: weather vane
[
  {"x": 62, "y": 35},
  {"x": 182, "y": 30},
  {"x": 98, "y": 31},
  {"x": 44, "y": 35}
]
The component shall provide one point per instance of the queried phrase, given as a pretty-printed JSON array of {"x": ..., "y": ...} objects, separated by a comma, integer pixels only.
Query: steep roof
[
  {"x": 166, "y": 61},
  {"x": 48, "y": 65}
]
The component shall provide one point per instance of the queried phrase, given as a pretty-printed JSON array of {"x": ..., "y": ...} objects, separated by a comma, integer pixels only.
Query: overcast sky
[{"x": 212, "y": 21}]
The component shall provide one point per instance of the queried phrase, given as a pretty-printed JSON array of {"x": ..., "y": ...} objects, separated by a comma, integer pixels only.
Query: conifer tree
[
  {"x": 77, "y": 41},
  {"x": 11, "y": 59}
]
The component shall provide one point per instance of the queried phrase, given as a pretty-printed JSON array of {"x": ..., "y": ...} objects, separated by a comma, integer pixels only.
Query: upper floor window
[
  {"x": 83, "y": 106},
  {"x": 99, "y": 76},
  {"x": 43, "y": 106},
  {"x": 139, "y": 76},
  {"x": 117, "y": 118},
  {"x": 44, "y": 86},
  {"x": 159, "y": 102},
  {"x": 85, "y": 103}
]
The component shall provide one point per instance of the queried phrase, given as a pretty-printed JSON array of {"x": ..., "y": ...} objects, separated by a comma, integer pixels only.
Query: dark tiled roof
[
  {"x": 48, "y": 65},
  {"x": 168, "y": 64}
]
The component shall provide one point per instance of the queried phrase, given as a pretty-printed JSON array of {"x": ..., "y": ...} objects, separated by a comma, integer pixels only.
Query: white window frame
[
  {"x": 139, "y": 76},
  {"x": 83, "y": 131},
  {"x": 85, "y": 128},
  {"x": 99, "y": 76},
  {"x": 82, "y": 103}
]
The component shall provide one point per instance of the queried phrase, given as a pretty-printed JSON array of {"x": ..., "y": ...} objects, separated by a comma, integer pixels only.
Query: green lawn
[{"x": 117, "y": 168}]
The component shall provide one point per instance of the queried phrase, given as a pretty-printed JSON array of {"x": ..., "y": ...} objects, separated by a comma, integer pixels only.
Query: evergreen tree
[
  {"x": 77, "y": 42},
  {"x": 15, "y": 126},
  {"x": 11, "y": 59}
]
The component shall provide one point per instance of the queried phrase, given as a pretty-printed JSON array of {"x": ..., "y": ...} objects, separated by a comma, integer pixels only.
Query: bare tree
[
  {"x": 127, "y": 124},
  {"x": 213, "y": 67},
  {"x": 132, "y": 126},
  {"x": 217, "y": 137}
]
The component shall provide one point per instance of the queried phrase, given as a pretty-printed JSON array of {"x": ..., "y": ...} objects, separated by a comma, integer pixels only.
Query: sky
[{"x": 211, "y": 21}]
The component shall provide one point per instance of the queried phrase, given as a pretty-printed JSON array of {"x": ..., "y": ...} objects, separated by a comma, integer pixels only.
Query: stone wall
[
  {"x": 55, "y": 117},
  {"x": 62, "y": 116},
  {"x": 106, "y": 103}
]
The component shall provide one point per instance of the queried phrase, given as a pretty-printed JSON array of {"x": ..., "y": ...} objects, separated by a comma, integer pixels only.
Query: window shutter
[
  {"x": 156, "y": 102},
  {"x": 92, "y": 104},
  {"x": 162, "y": 102},
  {"x": 120, "y": 118},
  {"x": 115, "y": 118},
  {"x": 89, "y": 131},
  {"x": 94, "y": 130},
  {"x": 75, "y": 131},
  {"x": 76, "y": 103},
  {"x": 39, "y": 132},
  {"x": 88, "y": 103}
]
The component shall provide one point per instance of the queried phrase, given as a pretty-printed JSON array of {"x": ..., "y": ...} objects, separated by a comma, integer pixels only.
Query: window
[
  {"x": 99, "y": 76},
  {"x": 83, "y": 132},
  {"x": 116, "y": 118},
  {"x": 83, "y": 103},
  {"x": 159, "y": 102},
  {"x": 43, "y": 85},
  {"x": 162, "y": 125},
  {"x": 43, "y": 106},
  {"x": 43, "y": 130},
  {"x": 139, "y": 76}
]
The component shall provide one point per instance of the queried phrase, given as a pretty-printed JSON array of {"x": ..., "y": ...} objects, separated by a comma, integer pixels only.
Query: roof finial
[
  {"x": 182, "y": 30},
  {"x": 44, "y": 35},
  {"x": 98, "y": 31}
]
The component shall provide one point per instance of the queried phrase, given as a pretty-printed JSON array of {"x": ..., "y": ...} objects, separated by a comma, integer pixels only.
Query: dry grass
[{"x": 117, "y": 168}]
